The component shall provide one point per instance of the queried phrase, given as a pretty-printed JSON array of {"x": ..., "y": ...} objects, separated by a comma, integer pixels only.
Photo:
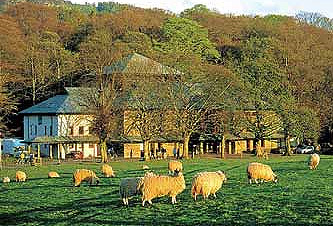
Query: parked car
[
  {"x": 75, "y": 155},
  {"x": 304, "y": 149}
]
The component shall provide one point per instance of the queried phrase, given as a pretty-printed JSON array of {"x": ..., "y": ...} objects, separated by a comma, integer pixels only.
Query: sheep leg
[
  {"x": 214, "y": 195},
  {"x": 173, "y": 200},
  {"x": 256, "y": 180},
  {"x": 124, "y": 201},
  {"x": 250, "y": 181},
  {"x": 150, "y": 202},
  {"x": 143, "y": 202},
  {"x": 195, "y": 197}
]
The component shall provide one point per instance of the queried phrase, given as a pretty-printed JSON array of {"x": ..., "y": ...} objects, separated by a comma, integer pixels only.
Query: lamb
[
  {"x": 5, "y": 180},
  {"x": 130, "y": 187},
  {"x": 175, "y": 165},
  {"x": 107, "y": 171},
  {"x": 313, "y": 162},
  {"x": 260, "y": 171},
  {"x": 53, "y": 174},
  {"x": 158, "y": 186},
  {"x": 207, "y": 183},
  {"x": 84, "y": 175},
  {"x": 21, "y": 176}
]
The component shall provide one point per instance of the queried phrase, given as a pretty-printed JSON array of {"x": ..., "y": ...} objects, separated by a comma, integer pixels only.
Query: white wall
[{"x": 35, "y": 126}]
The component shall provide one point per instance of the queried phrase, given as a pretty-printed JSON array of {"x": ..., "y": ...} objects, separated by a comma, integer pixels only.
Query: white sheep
[
  {"x": 258, "y": 171},
  {"x": 20, "y": 176},
  {"x": 107, "y": 171},
  {"x": 175, "y": 166},
  {"x": 84, "y": 175},
  {"x": 5, "y": 180},
  {"x": 207, "y": 183},
  {"x": 314, "y": 160},
  {"x": 158, "y": 186}
]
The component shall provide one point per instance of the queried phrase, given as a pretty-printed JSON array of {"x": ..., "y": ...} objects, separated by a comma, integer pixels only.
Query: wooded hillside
[{"x": 276, "y": 63}]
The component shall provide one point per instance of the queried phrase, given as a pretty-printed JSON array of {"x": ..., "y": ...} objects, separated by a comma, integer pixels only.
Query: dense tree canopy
[{"x": 276, "y": 63}]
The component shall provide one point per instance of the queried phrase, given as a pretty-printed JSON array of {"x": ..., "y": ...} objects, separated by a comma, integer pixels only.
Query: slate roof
[
  {"x": 68, "y": 103},
  {"x": 138, "y": 64}
]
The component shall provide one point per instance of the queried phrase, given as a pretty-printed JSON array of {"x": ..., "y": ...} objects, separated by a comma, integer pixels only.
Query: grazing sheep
[
  {"x": 313, "y": 162},
  {"x": 53, "y": 175},
  {"x": 175, "y": 165},
  {"x": 20, "y": 176},
  {"x": 207, "y": 183},
  {"x": 145, "y": 167},
  {"x": 130, "y": 187},
  {"x": 158, "y": 186},
  {"x": 5, "y": 180},
  {"x": 107, "y": 170},
  {"x": 260, "y": 171},
  {"x": 84, "y": 175}
]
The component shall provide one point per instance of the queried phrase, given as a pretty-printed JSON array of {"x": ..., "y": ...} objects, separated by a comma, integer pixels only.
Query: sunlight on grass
[{"x": 301, "y": 197}]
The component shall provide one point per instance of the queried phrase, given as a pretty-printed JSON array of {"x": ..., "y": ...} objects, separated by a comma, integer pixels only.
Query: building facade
[{"x": 59, "y": 126}]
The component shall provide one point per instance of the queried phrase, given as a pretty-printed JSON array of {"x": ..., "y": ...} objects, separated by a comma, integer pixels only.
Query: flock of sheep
[{"x": 151, "y": 186}]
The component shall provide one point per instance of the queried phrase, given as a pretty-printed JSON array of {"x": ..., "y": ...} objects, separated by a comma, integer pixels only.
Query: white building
[{"x": 60, "y": 125}]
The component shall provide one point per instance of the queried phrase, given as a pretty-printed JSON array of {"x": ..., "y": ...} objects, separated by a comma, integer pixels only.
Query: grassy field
[{"x": 301, "y": 197}]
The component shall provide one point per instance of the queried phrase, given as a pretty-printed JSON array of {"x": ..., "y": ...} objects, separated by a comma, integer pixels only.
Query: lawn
[{"x": 301, "y": 197}]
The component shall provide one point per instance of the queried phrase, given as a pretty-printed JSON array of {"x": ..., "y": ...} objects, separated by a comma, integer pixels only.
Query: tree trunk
[
  {"x": 185, "y": 146},
  {"x": 288, "y": 149},
  {"x": 258, "y": 148},
  {"x": 146, "y": 150},
  {"x": 103, "y": 149},
  {"x": 222, "y": 146}
]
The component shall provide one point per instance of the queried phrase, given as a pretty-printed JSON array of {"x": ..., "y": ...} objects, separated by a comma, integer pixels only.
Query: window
[
  {"x": 91, "y": 145},
  {"x": 45, "y": 130},
  {"x": 71, "y": 146},
  {"x": 81, "y": 131},
  {"x": 40, "y": 120},
  {"x": 90, "y": 130},
  {"x": 51, "y": 130},
  {"x": 262, "y": 143},
  {"x": 36, "y": 130},
  {"x": 71, "y": 130}
]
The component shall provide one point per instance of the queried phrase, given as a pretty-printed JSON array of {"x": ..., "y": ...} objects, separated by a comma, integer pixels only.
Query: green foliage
[
  {"x": 292, "y": 201},
  {"x": 109, "y": 7},
  {"x": 185, "y": 36},
  {"x": 138, "y": 42},
  {"x": 196, "y": 9}
]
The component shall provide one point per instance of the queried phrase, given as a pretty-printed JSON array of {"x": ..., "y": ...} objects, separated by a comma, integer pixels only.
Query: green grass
[{"x": 301, "y": 197}]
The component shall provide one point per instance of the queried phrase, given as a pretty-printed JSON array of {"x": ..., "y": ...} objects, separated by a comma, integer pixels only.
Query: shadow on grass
[{"x": 78, "y": 208}]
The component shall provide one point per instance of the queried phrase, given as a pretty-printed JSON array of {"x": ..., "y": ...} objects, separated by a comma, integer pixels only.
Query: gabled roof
[
  {"x": 138, "y": 64},
  {"x": 68, "y": 103}
]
